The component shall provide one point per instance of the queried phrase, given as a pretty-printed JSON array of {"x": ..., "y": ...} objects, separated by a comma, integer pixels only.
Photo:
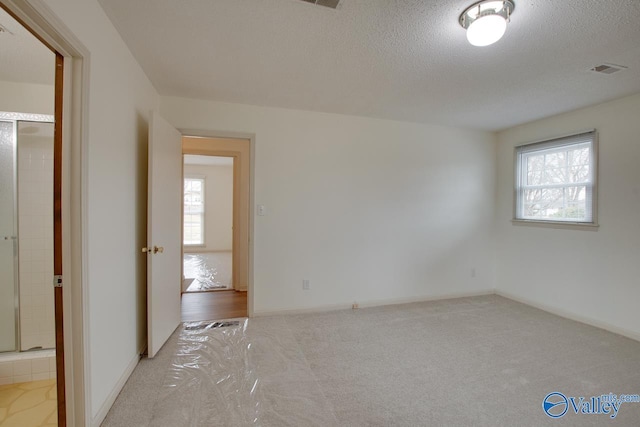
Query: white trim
[
  {"x": 557, "y": 143},
  {"x": 556, "y": 224},
  {"x": 553, "y": 138},
  {"x": 208, "y": 251},
  {"x": 252, "y": 211},
  {"x": 110, "y": 400},
  {"x": 10, "y": 356},
  {"x": 26, "y": 117},
  {"x": 541, "y": 306},
  {"x": 571, "y": 316},
  {"x": 194, "y": 175},
  {"x": 374, "y": 303}
]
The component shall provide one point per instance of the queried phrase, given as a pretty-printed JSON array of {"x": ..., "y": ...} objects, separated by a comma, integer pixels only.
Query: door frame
[
  {"x": 212, "y": 134},
  {"x": 36, "y": 16}
]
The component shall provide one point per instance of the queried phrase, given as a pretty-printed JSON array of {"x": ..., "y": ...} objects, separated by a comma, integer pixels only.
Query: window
[
  {"x": 556, "y": 180},
  {"x": 193, "y": 211}
]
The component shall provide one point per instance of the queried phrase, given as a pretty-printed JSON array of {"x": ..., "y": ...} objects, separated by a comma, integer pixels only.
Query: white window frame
[
  {"x": 200, "y": 178},
  {"x": 524, "y": 150}
]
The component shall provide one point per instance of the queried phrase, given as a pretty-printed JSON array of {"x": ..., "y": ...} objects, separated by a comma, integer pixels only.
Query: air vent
[
  {"x": 327, "y": 3},
  {"x": 608, "y": 68},
  {"x": 205, "y": 325}
]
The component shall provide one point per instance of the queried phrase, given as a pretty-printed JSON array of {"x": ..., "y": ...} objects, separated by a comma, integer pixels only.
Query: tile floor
[{"x": 31, "y": 404}]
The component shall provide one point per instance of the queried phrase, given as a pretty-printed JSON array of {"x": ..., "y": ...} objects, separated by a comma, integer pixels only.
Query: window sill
[
  {"x": 556, "y": 224},
  {"x": 195, "y": 246}
]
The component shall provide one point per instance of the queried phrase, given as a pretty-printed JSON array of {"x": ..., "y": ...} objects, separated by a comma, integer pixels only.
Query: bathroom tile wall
[
  {"x": 35, "y": 228},
  {"x": 25, "y": 367}
]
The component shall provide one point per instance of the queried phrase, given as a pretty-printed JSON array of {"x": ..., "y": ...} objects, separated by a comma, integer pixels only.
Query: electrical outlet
[
  {"x": 305, "y": 284},
  {"x": 355, "y": 306},
  {"x": 473, "y": 272}
]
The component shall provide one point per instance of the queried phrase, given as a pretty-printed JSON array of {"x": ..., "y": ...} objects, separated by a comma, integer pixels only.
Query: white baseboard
[
  {"x": 375, "y": 303},
  {"x": 372, "y": 303},
  {"x": 571, "y": 316},
  {"x": 108, "y": 403},
  {"x": 203, "y": 250}
]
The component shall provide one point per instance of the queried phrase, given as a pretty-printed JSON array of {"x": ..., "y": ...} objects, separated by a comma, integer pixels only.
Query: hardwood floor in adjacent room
[{"x": 213, "y": 305}]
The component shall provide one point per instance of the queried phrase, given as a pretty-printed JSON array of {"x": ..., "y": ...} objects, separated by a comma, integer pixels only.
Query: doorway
[
  {"x": 215, "y": 227},
  {"x": 207, "y": 223},
  {"x": 69, "y": 88},
  {"x": 27, "y": 338},
  {"x": 31, "y": 338}
]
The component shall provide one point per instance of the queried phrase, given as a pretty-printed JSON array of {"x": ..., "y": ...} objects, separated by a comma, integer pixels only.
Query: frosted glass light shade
[{"x": 486, "y": 30}]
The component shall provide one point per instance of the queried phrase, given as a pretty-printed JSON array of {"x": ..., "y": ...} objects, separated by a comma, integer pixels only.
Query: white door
[{"x": 164, "y": 210}]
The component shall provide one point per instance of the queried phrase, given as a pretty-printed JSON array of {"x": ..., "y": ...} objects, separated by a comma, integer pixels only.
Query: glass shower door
[{"x": 8, "y": 237}]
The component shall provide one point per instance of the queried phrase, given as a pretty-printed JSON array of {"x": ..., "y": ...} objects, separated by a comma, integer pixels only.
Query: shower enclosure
[{"x": 27, "y": 320}]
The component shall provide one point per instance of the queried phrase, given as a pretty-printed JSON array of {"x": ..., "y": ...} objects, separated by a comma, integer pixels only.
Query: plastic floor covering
[
  {"x": 207, "y": 271},
  {"x": 218, "y": 377}
]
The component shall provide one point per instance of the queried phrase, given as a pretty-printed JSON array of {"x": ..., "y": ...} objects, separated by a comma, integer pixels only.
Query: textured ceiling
[
  {"x": 397, "y": 59},
  {"x": 23, "y": 58}
]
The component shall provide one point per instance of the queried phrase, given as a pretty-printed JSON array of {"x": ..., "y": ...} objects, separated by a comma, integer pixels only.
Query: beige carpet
[{"x": 482, "y": 361}]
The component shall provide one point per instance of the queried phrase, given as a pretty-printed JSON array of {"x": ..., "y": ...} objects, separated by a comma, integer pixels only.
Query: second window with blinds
[
  {"x": 193, "y": 211},
  {"x": 556, "y": 180}
]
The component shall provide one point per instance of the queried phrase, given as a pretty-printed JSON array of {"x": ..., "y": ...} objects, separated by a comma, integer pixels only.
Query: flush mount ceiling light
[{"x": 486, "y": 21}]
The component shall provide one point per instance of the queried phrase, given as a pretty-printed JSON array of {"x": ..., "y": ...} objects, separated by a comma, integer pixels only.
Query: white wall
[
  {"x": 119, "y": 100},
  {"x": 367, "y": 210},
  {"x": 589, "y": 275},
  {"x": 27, "y": 97},
  {"x": 218, "y": 199}
]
